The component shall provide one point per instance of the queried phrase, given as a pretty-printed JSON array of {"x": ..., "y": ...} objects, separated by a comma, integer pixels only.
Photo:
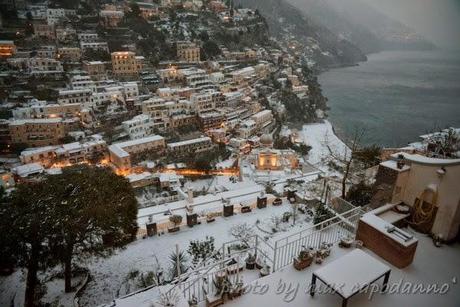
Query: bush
[
  {"x": 201, "y": 250},
  {"x": 360, "y": 194},
  {"x": 175, "y": 219}
]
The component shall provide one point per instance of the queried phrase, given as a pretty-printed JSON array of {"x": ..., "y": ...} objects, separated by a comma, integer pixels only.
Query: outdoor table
[{"x": 350, "y": 274}]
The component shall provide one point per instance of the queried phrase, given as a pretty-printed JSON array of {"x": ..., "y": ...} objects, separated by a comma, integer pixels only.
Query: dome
[{"x": 266, "y": 140}]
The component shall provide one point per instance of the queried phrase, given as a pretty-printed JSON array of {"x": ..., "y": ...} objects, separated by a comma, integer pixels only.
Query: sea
[{"x": 395, "y": 96}]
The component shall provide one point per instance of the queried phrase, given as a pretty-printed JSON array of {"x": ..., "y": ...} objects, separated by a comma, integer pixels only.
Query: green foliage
[
  {"x": 67, "y": 139},
  {"x": 134, "y": 10},
  {"x": 176, "y": 258},
  {"x": 210, "y": 50},
  {"x": 204, "y": 36},
  {"x": 17, "y": 148},
  {"x": 302, "y": 149},
  {"x": 369, "y": 156},
  {"x": 298, "y": 110},
  {"x": 360, "y": 194},
  {"x": 175, "y": 219},
  {"x": 82, "y": 212},
  {"x": 96, "y": 213},
  {"x": 96, "y": 55},
  {"x": 285, "y": 143},
  {"x": 322, "y": 214},
  {"x": 28, "y": 227},
  {"x": 201, "y": 250}
]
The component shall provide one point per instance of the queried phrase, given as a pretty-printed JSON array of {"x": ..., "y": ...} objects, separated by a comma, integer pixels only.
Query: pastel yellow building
[
  {"x": 188, "y": 52},
  {"x": 125, "y": 64}
]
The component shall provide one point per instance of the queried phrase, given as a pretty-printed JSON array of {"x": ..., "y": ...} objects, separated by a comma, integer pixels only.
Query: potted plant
[
  {"x": 323, "y": 252},
  {"x": 176, "y": 220},
  {"x": 217, "y": 297},
  {"x": 304, "y": 259},
  {"x": 236, "y": 289},
  {"x": 251, "y": 262},
  {"x": 210, "y": 218},
  {"x": 346, "y": 242},
  {"x": 259, "y": 263},
  {"x": 265, "y": 271}
]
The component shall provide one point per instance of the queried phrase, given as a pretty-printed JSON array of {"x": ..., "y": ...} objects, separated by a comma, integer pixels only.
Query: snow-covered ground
[
  {"x": 289, "y": 287},
  {"x": 429, "y": 267},
  {"x": 142, "y": 255},
  {"x": 110, "y": 275},
  {"x": 322, "y": 139}
]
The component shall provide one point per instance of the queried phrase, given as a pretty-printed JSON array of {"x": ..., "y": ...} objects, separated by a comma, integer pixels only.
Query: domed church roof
[{"x": 266, "y": 140}]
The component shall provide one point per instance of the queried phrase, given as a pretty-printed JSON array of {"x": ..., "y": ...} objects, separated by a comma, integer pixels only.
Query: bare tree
[
  {"x": 443, "y": 144},
  {"x": 345, "y": 158},
  {"x": 242, "y": 232}
]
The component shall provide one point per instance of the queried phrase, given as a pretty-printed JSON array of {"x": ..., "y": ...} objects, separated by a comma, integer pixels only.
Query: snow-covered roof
[
  {"x": 28, "y": 169},
  {"x": 190, "y": 142},
  {"x": 200, "y": 203},
  {"x": 416, "y": 158}
]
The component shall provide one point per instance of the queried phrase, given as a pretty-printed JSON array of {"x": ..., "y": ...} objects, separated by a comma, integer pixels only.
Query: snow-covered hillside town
[{"x": 179, "y": 153}]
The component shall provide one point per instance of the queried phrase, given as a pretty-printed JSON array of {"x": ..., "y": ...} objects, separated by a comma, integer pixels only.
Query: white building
[
  {"x": 82, "y": 96},
  {"x": 198, "y": 145},
  {"x": 37, "y": 64},
  {"x": 88, "y": 37},
  {"x": 54, "y": 15},
  {"x": 138, "y": 127},
  {"x": 82, "y": 82},
  {"x": 102, "y": 46}
]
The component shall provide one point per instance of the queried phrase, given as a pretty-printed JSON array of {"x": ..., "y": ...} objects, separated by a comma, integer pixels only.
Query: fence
[
  {"x": 329, "y": 231},
  {"x": 201, "y": 281}
]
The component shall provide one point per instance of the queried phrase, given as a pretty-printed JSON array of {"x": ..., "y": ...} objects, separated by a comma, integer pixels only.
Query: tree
[
  {"x": 96, "y": 213},
  {"x": 443, "y": 144},
  {"x": 201, "y": 250},
  {"x": 321, "y": 214},
  {"x": 17, "y": 148},
  {"x": 28, "y": 228},
  {"x": 360, "y": 194},
  {"x": 242, "y": 232},
  {"x": 135, "y": 11},
  {"x": 346, "y": 157},
  {"x": 204, "y": 36},
  {"x": 175, "y": 219},
  {"x": 210, "y": 49},
  {"x": 96, "y": 55},
  {"x": 369, "y": 156},
  {"x": 178, "y": 260},
  {"x": 29, "y": 27}
]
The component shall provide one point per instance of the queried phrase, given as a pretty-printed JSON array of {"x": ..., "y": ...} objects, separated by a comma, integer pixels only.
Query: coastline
[{"x": 394, "y": 110}]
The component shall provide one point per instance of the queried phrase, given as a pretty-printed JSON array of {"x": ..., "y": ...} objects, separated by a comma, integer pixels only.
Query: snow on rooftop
[
  {"x": 200, "y": 203},
  {"x": 36, "y": 121},
  {"x": 416, "y": 158},
  {"x": 189, "y": 142},
  {"x": 394, "y": 165},
  {"x": 28, "y": 169},
  {"x": 138, "y": 177}
]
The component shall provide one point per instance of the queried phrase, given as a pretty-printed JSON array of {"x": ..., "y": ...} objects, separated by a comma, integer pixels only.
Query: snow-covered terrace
[
  {"x": 206, "y": 203},
  {"x": 431, "y": 265},
  {"x": 289, "y": 287}
]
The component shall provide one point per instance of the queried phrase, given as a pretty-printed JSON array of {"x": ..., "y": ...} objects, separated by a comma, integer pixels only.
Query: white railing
[
  {"x": 329, "y": 231},
  {"x": 196, "y": 283}
]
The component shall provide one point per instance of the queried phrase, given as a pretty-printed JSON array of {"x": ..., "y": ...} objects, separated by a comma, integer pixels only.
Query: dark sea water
[{"x": 396, "y": 95}]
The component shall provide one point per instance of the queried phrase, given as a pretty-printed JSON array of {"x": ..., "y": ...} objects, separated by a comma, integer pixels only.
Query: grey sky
[{"x": 437, "y": 20}]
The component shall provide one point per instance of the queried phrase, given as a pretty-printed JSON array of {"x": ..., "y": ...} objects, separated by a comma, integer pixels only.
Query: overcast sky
[{"x": 437, "y": 20}]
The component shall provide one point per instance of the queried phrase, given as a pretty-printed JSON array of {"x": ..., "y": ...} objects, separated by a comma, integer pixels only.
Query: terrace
[{"x": 275, "y": 282}]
